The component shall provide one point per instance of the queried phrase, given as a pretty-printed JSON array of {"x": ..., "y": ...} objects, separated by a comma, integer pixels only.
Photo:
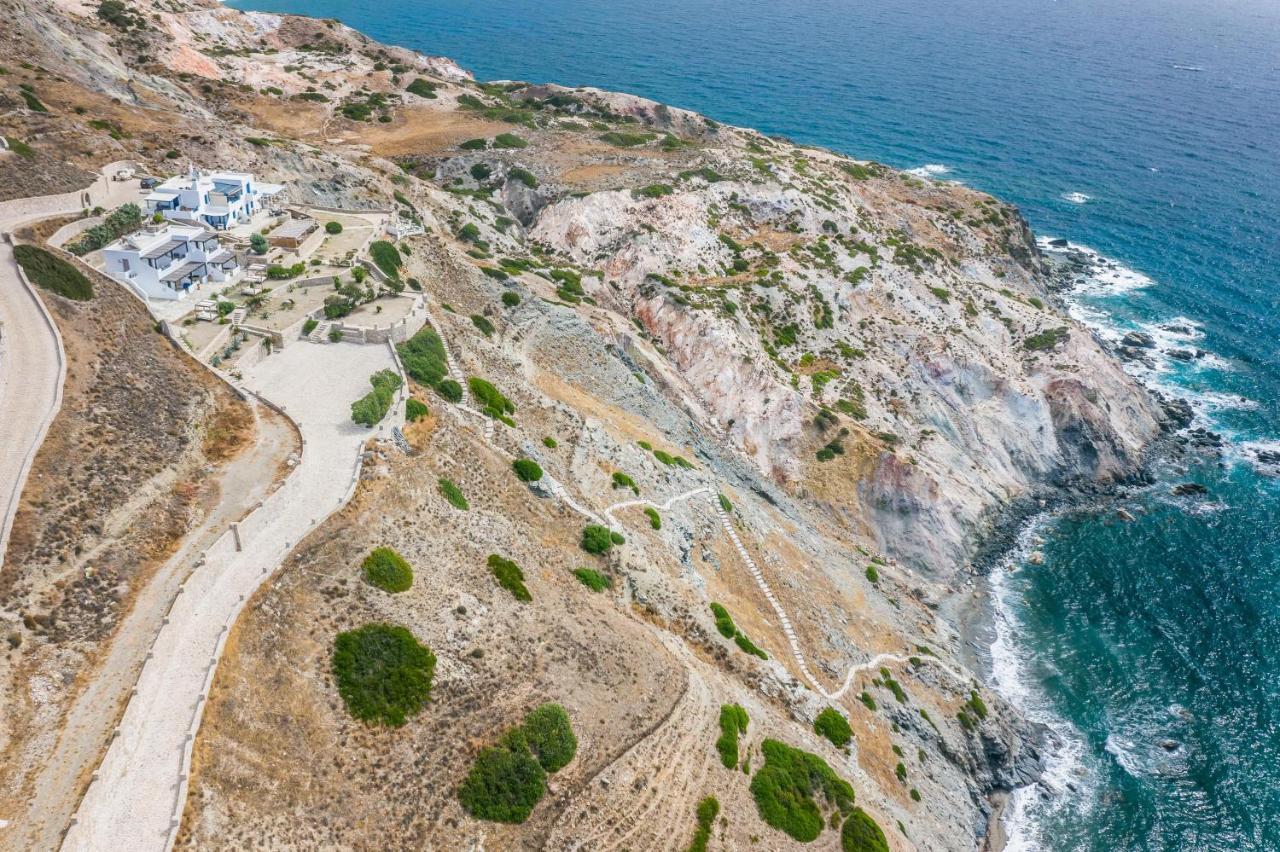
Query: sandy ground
[{"x": 132, "y": 802}]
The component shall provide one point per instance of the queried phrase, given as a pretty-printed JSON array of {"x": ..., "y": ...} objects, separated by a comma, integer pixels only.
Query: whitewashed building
[
  {"x": 169, "y": 261},
  {"x": 218, "y": 200}
]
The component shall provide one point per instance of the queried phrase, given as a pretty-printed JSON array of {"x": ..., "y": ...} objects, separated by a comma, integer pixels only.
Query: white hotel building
[
  {"x": 168, "y": 261},
  {"x": 218, "y": 200}
]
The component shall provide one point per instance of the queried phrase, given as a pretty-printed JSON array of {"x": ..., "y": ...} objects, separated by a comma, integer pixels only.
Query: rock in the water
[
  {"x": 1138, "y": 339},
  {"x": 1124, "y": 515},
  {"x": 1036, "y": 558},
  {"x": 1186, "y": 489},
  {"x": 1058, "y": 243}
]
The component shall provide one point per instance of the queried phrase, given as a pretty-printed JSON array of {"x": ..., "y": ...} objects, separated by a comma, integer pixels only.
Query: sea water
[{"x": 1148, "y": 133}]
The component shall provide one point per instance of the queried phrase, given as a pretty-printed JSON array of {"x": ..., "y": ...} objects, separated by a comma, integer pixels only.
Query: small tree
[
  {"x": 333, "y": 227},
  {"x": 527, "y": 470},
  {"x": 258, "y": 243}
]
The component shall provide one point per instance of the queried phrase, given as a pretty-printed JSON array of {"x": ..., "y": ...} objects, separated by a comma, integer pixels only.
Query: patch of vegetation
[
  {"x": 724, "y": 503},
  {"x": 494, "y": 403},
  {"x": 474, "y": 145},
  {"x": 527, "y": 470},
  {"x": 453, "y": 494},
  {"x": 52, "y": 273},
  {"x": 724, "y": 621},
  {"x": 308, "y": 325},
  {"x": 29, "y": 98},
  {"x": 387, "y": 570},
  {"x": 624, "y": 139},
  {"x": 550, "y": 736},
  {"x": 655, "y": 520},
  {"x": 740, "y": 639},
  {"x": 387, "y": 258},
  {"x": 422, "y": 88},
  {"x": 373, "y": 406},
  {"x": 1047, "y": 339},
  {"x": 833, "y": 725},
  {"x": 867, "y": 699},
  {"x": 482, "y": 323},
  {"x": 862, "y": 834},
  {"x": 415, "y": 410},
  {"x": 505, "y": 782},
  {"x": 510, "y": 298},
  {"x": 708, "y": 810},
  {"x": 17, "y": 146},
  {"x": 653, "y": 190},
  {"x": 525, "y": 176},
  {"x": 733, "y": 724},
  {"x": 123, "y": 220},
  {"x": 598, "y": 540},
  {"x": 509, "y": 778},
  {"x": 786, "y": 788},
  {"x": 872, "y": 574},
  {"x": 592, "y": 579},
  {"x": 550, "y": 443},
  {"x": 621, "y": 480},
  {"x": 383, "y": 673},
  {"x": 424, "y": 361},
  {"x": 333, "y": 227},
  {"x": 510, "y": 577},
  {"x": 509, "y": 140}
]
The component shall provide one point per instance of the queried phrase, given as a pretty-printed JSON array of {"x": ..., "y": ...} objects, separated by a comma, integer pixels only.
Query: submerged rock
[{"x": 1186, "y": 489}]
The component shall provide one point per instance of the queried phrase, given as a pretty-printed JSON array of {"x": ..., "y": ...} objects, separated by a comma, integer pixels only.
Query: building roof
[
  {"x": 295, "y": 228},
  {"x": 164, "y": 247},
  {"x": 221, "y": 256},
  {"x": 182, "y": 271}
]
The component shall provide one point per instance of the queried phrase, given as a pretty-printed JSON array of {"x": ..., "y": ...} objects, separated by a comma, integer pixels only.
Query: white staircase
[
  {"x": 238, "y": 316},
  {"x": 320, "y": 334}
]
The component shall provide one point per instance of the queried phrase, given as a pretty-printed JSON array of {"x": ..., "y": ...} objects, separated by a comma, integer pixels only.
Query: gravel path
[{"x": 140, "y": 787}]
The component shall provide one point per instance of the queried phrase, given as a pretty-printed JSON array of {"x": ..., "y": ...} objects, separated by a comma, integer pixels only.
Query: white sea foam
[
  {"x": 1077, "y": 197},
  {"x": 930, "y": 171},
  {"x": 1065, "y": 772}
]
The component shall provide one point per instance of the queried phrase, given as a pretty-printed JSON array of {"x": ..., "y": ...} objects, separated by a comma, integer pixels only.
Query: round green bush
[
  {"x": 785, "y": 787},
  {"x": 527, "y": 469},
  {"x": 862, "y": 834},
  {"x": 505, "y": 782},
  {"x": 415, "y": 409},
  {"x": 449, "y": 389},
  {"x": 333, "y": 227},
  {"x": 596, "y": 539},
  {"x": 383, "y": 673},
  {"x": 510, "y": 298},
  {"x": 834, "y": 727},
  {"x": 387, "y": 570},
  {"x": 550, "y": 736}
]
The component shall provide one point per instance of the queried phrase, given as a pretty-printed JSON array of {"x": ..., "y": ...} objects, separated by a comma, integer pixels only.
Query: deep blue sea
[{"x": 1145, "y": 130}]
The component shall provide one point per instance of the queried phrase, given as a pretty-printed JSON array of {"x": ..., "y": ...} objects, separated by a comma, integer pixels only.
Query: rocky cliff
[{"x": 868, "y": 364}]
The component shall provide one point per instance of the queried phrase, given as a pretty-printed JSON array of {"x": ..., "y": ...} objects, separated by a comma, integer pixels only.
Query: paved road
[
  {"x": 31, "y": 367},
  {"x": 142, "y": 780}
]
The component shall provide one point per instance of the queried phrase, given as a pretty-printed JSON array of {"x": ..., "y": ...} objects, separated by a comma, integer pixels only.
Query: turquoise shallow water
[{"x": 1152, "y": 646}]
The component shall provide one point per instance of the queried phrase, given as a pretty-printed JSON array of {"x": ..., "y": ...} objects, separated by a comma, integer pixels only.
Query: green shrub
[
  {"x": 258, "y": 243},
  {"x": 387, "y": 570},
  {"x": 592, "y": 579},
  {"x": 785, "y": 790},
  {"x": 862, "y": 834},
  {"x": 495, "y": 404},
  {"x": 872, "y": 574},
  {"x": 415, "y": 409},
  {"x": 333, "y": 227},
  {"x": 454, "y": 495},
  {"x": 623, "y": 139},
  {"x": 621, "y": 480},
  {"x": 510, "y": 577},
  {"x": 123, "y": 220},
  {"x": 335, "y": 333},
  {"x": 724, "y": 622},
  {"x": 422, "y": 88},
  {"x": 655, "y": 520},
  {"x": 509, "y": 140},
  {"x": 525, "y": 176},
  {"x": 424, "y": 361},
  {"x": 832, "y": 725},
  {"x": 482, "y": 323},
  {"x": 386, "y": 257},
  {"x": 550, "y": 736},
  {"x": 653, "y": 190},
  {"x": 596, "y": 539},
  {"x": 17, "y": 146},
  {"x": 480, "y": 171},
  {"x": 915, "y": 794},
  {"x": 510, "y": 298},
  {"x": 373, "y": 406},
  {"x": 276, "y": 272},
  {"x": 867, "y": 699},
  {"x": 308, "y": 325},
  {"x": 976, "y": 704},
  {"x": 1047, "y": 339},
  {"x": 708, "y": 810},
  {"x": 52, "y": 273},
  {"x": 505, "y": 782},
  {"x": 474, "y": 145},
  {"x": 383, "y": 673},
  {"x": 550, "y": 443},
  {"x": 450, "y": 390},
  {"x": 733, "y": 724},
  {"x": 740, "y": 639},
  {"x": 527, "y": 470},
  {"x": 724, "y": 503}
]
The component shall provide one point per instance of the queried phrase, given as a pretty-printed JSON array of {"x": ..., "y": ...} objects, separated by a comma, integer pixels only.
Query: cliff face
[{"x": 868, "y": 365}]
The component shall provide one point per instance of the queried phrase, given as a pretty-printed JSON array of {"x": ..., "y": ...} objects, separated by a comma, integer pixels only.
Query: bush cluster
[
  {"x": 453, "y": 494},
  {"x": 508, "y": 779},
  {"x": 708, "y": 810},
  {"x": 621, "y": 480},
  {"x": 122, "y": 220},
  {"x": 373, "y": 406},
  {"x": 415, "y": 409},
  {"x": 383, "y": 673},
  {"x": 333, "y": 227},
  {"x": 52, "y": 273},
  {"x": 597, "y": 539},
  {"x": 424, "y": 361},
  {"x": 482, "y": 323},
  {"x": 527, "y": 470},
  {"x": 733, "y": 724},
  {"x": 387, "y": 258},
  {"x": 832, "y": 725},
  {"x": 862, "y": 834},
  {"x": 509, "y": 577},
  {"x": 387, "y": 570},
  {"x": 491, "y": 399},
  {"x": 786, "y": 787},
  {"x": 592, "y": 579},
  {"x": 727, "y": 629}
]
